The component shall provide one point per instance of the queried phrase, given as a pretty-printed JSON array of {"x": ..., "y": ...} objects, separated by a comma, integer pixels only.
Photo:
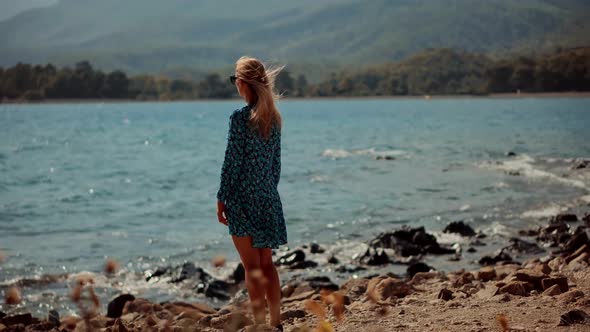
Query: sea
[{"x": 83, "y": 183}]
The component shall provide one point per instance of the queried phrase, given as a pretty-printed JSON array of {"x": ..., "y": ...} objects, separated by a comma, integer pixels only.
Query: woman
[{"x": 248, "y": 199}]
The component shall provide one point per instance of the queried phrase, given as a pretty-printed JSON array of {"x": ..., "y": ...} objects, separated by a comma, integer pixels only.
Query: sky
[{"x": 9, "y": 8}]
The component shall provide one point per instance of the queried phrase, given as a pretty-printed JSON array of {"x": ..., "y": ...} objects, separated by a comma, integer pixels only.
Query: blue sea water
[{"x": 80, "y": 183}]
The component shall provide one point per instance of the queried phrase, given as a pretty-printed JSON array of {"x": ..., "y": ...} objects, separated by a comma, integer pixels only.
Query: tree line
[{"x": 431, "y": 72}]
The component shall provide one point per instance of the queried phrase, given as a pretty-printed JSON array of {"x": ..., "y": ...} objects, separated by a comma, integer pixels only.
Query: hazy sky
[{"x": 9, "y": 8}]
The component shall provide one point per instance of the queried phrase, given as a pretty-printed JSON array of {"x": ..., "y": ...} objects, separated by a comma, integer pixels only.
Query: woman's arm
[
  {"x": 276, "y": 164},
  {"x": 230, "y": 171}
]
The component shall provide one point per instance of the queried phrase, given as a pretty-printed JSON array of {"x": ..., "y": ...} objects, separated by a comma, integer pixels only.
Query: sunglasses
[{"x": 233, "y": 79}]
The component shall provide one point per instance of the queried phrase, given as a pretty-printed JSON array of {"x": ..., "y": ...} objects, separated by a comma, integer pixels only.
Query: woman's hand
[{"x": 221, "y": 213}]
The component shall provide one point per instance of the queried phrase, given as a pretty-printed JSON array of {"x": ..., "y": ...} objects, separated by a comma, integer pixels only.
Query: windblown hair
[{"x": 260, "y": 82}]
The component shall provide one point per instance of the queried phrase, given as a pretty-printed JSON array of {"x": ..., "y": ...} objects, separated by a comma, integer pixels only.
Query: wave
[
  {"x": 341, "y": 153},
  {"x": 525, "y": 165}
]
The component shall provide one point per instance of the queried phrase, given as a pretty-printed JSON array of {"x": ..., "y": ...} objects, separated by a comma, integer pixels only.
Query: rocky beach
[{"x": 546, "y": 292}]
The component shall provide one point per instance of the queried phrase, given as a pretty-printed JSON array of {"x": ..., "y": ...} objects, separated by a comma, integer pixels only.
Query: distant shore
[{"x": 424, "y": 97}]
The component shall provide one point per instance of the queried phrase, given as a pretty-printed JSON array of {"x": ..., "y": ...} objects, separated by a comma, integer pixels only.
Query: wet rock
[
  {"x": 53, "y": 317},
  {"x": 303, "y": 265},
  {"x": 291, "y": 258},
  {"x": 564, "y": 217},
  {"x": 333, "y": 260},
  {"x": 116, "y": 305},
  {"x": 459, "y": 227},
  {"x": 560, "y": 281},
  {"x": 445, "y": 294},
  {"x": 524, "y": 247},
  {"x": 239, "y": 274},
  {"x": 349, "y": 268},
  {"x": 574, "y": 317},
  {"x": 418, "y": 267},
  {"x": 486, "y": 273},
  {"x": 586, "y": 219},
  {"x": 321, "y": 283},
  {"x": 510, "y": 154},
  {"x": 499, "y": 257},
  {"x": 374, "y": 257},
  {"x": 408, "y": 241},
  {"x": 552, "y": 291},
  {"x": 385, "y": 158},
  {"x": 315, "y": 248},
  {"x": 2, "y": 314},
  {"x": 218, "y": 289},
  {"x": 518, "y": 288},
  {"x": 24, "y": 319},
  {"x": 580, "y": 164}
]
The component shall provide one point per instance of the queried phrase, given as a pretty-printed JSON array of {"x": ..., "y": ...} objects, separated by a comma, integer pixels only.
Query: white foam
[
  {"x": 341, "y": 153},
  {"x": 523, "y": 165},
  {"x": 545, "y": 212},
  {"x": 585, "y": 199}
]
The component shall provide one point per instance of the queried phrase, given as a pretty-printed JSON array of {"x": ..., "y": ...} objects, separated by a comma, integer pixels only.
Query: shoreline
[
  {"x": 531, "y": 295},
  {"x": 539, "y": 95}
]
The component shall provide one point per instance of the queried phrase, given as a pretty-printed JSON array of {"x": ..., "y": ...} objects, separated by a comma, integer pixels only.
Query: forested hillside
[{"x": 155, "y": 36}]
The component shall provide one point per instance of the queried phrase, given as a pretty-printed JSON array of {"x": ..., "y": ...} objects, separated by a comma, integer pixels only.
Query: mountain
[
  {"x": 159, "y": 36},
  {"x": 10, "y": 8}
]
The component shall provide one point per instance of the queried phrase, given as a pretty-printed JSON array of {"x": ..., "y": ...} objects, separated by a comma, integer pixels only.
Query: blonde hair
[{"x": 260, "y": 82}]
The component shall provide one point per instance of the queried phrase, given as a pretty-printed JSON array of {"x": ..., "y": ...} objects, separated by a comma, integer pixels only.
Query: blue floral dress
[{"x": 249, "y": 179}]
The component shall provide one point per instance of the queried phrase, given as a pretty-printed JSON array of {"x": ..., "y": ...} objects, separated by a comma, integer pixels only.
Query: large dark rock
[
  {"x": 306, "y": 264},
  {"x": 196, "y": 278},
  {"x": 574, "y": 317},
  {"x": 418, "y": 267},
  {"x": 53, "y": 317},
  {"x": 24, "y": 319},
  {"x": 579, "y": 238},
  {"x": 116, "y": 305},
  {"x": 524, "y": 247},
  {"x": 239, "y": 274},
  {"x": 349, "y": 268},
  {"x": 320, "y": 282},
  {"x": 499, "y": 257},
  {"x": 564, "y": 217},
  {"x": 408, "y": 241},
  {"x": 315, "y": 248},
  {"x": 580, "y": 164},
  {"x": 374, "y": 257},
  {"x": 218, "y": 289},
  {"x": 291, "y": 258},
  {"x": 459, "y": 227}
]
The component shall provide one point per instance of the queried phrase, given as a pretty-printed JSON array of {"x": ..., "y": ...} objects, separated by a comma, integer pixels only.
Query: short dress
[{"x": 249, "y": 183}]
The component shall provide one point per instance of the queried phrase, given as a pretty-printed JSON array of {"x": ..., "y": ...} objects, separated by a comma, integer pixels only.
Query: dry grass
[
  {"x": 111, "y": 266},
  {"x": 84, "y": 296},
  {"x": 12, "y": 296}
]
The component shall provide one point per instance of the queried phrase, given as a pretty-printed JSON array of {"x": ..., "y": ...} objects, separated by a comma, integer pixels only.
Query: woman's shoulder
[{"x": 241, "y": 113}]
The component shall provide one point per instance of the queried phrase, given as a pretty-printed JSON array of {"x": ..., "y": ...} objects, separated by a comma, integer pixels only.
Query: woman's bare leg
[
  {"x": 273, "y": 286},
  {"x": 255, "y": 280}
]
